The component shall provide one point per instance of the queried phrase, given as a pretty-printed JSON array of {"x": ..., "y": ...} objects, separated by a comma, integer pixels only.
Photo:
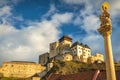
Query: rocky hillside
[{"x": 72, "y": 67}]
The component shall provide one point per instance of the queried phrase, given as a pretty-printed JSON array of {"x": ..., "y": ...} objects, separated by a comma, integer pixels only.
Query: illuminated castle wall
[{"x": 20, "y": 69}]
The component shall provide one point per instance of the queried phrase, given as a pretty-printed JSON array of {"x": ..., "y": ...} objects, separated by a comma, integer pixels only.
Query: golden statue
[
  {"x": 105, "y": 6},
  {"x": 105, "y": 16},
  {"x": 105, "y": 19}
]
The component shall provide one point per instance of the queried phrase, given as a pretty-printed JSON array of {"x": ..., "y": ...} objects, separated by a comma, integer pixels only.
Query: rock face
[{"x": 20, "y": 69}]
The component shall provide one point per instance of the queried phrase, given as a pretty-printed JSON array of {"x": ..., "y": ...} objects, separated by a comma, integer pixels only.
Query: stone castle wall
[{"x": 20, "y": 69}]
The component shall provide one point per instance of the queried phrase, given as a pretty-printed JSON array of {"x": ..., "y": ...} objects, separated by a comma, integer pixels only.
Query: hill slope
[{"x": 71, "y": 67}]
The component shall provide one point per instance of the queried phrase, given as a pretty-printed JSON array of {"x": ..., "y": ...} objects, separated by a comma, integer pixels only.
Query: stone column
[{"x": 105, "y": 30}]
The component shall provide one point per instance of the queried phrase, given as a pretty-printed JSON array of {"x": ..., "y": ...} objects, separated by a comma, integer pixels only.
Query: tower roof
[
  {"x": 77, "y": 43},
  {"x": 80, "y": 44},
  {"x": 65, "y": 37},
  {"x": 86, "y": 46}
]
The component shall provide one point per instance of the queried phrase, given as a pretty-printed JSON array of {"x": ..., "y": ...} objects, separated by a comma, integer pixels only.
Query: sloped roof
[
  {"x": 77, "y": 43},
  {"x": 80, "y": 44},
  {"x": 65, "y": 37},
  {"x": 52, "y": 76},
  {"x": 102, "y": 75},
  {"x": 88, "y": 75},
  {"x": 86, "y": 46}
]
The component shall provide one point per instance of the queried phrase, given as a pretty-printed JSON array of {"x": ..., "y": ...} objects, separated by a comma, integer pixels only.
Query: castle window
[
  {"x": 12, "y": 65},
  {"x": 73, "y": 51},
  {"x": 52, "y": 47},
  {"x": 67, "y": 58},
  {"x": 80, "y": 48}
]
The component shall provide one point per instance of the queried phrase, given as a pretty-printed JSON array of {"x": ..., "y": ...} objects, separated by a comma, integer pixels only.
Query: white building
[{"x": 82, "y": 51}]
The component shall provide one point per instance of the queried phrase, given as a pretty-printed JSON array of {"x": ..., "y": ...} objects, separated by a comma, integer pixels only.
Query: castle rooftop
[
  {"x": 65, "y": 37},
  {"x": 80, "y": 44}
]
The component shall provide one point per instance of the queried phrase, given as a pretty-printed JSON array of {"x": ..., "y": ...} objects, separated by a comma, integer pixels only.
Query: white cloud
[
  {"x": 5, "y": 11},
  {"x": 9, "y": 2},
  {"x": 6, "y": 29},
  {"x": 77, "y": 21},
  {"x": 51, "y": 11},
  {"x": 115, "y": 43},
  {"x": 96, "y": 5},
  {"x": 32, "y": 40},
  {"x": 115, "y": 8},
  {"x": 63, "y": 18},
  {"x": 95, "y": 42},
  {"x": 88, "y": 21},
  {"x": 19, "y": 18},
  {"x": 75, "y": 1}
]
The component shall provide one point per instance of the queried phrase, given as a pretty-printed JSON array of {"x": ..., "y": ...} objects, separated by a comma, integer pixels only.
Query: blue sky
[{"x": 28, "y": 26}]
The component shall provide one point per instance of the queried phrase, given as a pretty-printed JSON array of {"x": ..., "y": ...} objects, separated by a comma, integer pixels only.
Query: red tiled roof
[
  {"x": 102, "y": 75},
  {"x": 88, "y": 75},
  {"x": 52, "y": 76},
  {"x": 118, "y": 75}
]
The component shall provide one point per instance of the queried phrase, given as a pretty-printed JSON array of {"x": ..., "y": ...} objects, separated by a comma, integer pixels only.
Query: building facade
[
  {"x": 53, "y": 49},
  {"x": 65, "y": 50},
  {"x": 43, "y": 58},
  {"x": 60, "y": 47},
  {"x": 98, "y": 58},
  {"x": 82, "y": 51}
]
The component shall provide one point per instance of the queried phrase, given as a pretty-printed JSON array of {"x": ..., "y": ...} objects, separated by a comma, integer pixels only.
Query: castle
[{"x": 65, "y": 50}]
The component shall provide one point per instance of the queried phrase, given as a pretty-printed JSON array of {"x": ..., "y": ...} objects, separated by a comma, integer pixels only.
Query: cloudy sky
[{"x": 28, "y": 26}]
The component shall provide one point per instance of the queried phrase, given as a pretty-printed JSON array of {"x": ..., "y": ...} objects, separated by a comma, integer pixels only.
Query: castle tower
[
  {"x": 65, "y": 40},
  {"x": 57, "y": 48},
  {"x": 53, "y": 49},
  {"x": 105, "y": 30},
  {"x": 65, "y": 44}
]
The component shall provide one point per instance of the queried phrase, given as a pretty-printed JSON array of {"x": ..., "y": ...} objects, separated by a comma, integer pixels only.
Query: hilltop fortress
[{"x": 65, "y": 50}]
